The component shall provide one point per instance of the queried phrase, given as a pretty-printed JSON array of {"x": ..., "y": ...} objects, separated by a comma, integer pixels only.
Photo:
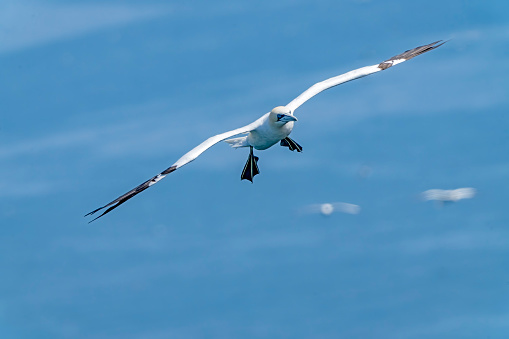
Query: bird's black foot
[
  {"x": 251, "y": 167},
  {"x": 291, "y": 144}
]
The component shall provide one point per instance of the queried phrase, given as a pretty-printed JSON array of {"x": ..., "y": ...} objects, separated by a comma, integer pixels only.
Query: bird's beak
[{"x": 288, "y": 118}]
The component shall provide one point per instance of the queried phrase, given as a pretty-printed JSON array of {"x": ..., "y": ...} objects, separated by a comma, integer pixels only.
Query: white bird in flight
[
  {"x": 449, "y": 195},
  {"x": 271, "y": 128},
  {"x": 331, "y": 207}
]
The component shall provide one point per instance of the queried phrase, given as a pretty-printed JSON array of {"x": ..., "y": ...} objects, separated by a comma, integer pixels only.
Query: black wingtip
[
  {"x": 140, "y": 188},
  {"x": 411, "y": 53},
  {"x": 93, "y": 219},
  {"x": 96, "y": 218},
  {"x": 94, "y": 211},
  {"x": 120, "y": 202},
  {"x": 440, "y": 43}
]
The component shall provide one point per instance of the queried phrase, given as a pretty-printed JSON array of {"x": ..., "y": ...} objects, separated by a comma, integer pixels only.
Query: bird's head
[{"x": 281, "y": 115}]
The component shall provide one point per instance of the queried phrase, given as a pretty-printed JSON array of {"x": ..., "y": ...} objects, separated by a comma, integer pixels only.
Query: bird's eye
[{"x": 280, "y": 116}]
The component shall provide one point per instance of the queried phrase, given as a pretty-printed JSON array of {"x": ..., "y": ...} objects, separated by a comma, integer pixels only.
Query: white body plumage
[
  {"x": 272, "y": 128},
  {"x": 271, "y": 131}
]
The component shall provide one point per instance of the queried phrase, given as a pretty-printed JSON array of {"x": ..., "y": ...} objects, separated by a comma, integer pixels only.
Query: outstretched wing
[
  {"x": 463, "y": 193},
  {"x": 436, "y": 194},
  {"x": 359, "y": 73},
  {"x": 185, "y": 159},
  {"x": 346, "y": 207}
]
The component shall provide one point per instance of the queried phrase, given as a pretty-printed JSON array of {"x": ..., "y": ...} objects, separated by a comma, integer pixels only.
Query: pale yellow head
[{"x": 281, "y": 115}]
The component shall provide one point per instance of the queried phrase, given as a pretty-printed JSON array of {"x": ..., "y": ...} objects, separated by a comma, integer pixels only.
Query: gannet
[
  {"x": 330, "y": 207},
  {"x": 273, "y": 127},
  {"x": 444, "y": 196}
]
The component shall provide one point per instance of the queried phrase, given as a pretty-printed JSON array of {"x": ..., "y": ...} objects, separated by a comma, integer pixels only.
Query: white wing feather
[
  {"x": 358, "y": 73},
  {"x": 185, "y": 159},
  {"x": 326, "y": 84},
  {"x": 346, "y": 207},
  {"x": 195, "y": 152}
]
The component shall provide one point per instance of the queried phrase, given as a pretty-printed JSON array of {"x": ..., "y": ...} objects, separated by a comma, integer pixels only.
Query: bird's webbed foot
[
  {"x": 291, "y": 144},
  {"x": 251, "y": 167}
]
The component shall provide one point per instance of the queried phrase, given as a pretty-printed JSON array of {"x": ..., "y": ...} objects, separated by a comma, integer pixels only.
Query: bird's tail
[{"x": 238, "y": 142}]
